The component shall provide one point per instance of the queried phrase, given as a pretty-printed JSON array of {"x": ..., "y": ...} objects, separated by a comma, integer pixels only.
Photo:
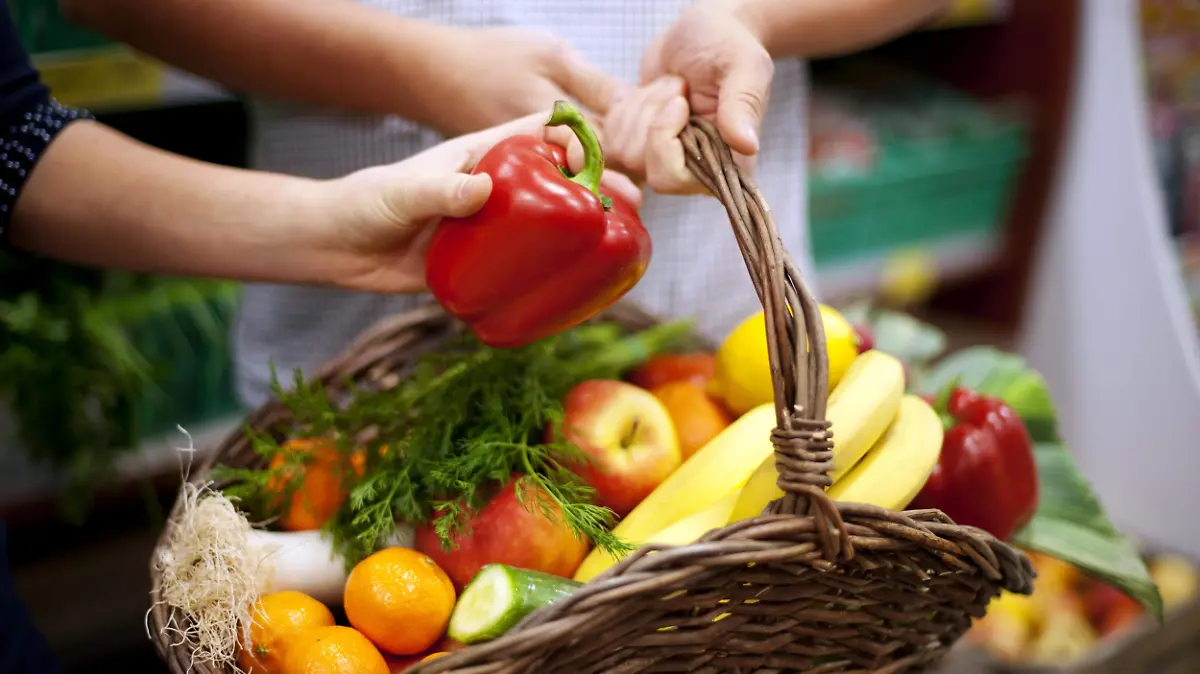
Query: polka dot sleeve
[{"x": 22, "y": 144}]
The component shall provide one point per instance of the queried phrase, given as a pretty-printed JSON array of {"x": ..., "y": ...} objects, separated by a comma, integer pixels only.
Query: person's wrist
[
  {"x": 299, "y": 232},
  {"x": 755, "y": 17}
]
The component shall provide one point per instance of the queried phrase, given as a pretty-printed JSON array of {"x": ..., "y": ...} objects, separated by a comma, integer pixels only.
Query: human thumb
[
  {"x": 454, "y": 195},
  {"x": 742, "y": 102}
]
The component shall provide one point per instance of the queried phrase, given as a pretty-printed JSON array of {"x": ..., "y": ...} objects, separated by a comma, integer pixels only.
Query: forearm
[
  {"x": 335, "y": 53},
  {"x": 818, "y": 28},
  {"x": 99, "y": 198}
]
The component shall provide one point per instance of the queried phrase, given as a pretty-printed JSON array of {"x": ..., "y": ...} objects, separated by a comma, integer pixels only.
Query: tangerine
[
  {"x": 333, "y": 650},
  {"x": 669, "y": 367},
  {"x": 697, "y": 417},
  {"x": 276, "y": 618},
  {"x": 323, "y": 487},
  {"x": 400, "y": 599}
]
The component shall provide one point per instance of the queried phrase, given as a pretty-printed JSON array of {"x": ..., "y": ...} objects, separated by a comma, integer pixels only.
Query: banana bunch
[{"x": 885, "y": 446}]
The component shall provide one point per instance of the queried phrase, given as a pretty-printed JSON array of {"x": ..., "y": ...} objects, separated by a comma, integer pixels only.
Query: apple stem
[{"x": 629, "y": 437}]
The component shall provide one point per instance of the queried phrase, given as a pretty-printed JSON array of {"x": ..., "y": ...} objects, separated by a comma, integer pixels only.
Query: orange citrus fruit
[
  {"x": 698, "y": 418},
  {"x": 276, "y": 618},
  {"x": 400, "y": 599},
  {"x": 332, "y": 650},
  {"x": 666, "y": 368},
  {"x": 322, "y": 488},
  {"x": 433, "y": 656}
]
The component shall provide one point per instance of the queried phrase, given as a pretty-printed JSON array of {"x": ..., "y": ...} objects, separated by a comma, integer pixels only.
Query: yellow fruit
[
  {"x": 719, "y": 468},
  {"x": 860, "y": 409},
  {"x": 685, "y": 531},
  {"x": 908, "y": 278},
  {"x": 1176, "y": 579},
  {"x": 1065, "y": 636},
  {"x": 898, "y": 465},
  {"x": 1020, "y": 607},
  {"x": 400, "y": 600},
  {"x": 743, "y": 370},
  {"x": 276, "y": 618}
]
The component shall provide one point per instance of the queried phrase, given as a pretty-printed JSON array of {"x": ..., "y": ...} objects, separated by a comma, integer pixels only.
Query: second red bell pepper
[
  {"x": 986, "y": 475},
  {"x": 546, "y": 252}
]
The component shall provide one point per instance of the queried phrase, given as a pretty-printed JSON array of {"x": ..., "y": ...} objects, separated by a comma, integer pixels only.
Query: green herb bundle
[{"x": 467, "y": 419}]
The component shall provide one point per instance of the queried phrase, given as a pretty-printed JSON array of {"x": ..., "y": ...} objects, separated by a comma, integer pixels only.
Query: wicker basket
[{"x": 810, "y": 586}]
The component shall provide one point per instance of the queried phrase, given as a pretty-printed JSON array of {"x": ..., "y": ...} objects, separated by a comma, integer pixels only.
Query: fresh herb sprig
[{"x": 465, "y": 421}]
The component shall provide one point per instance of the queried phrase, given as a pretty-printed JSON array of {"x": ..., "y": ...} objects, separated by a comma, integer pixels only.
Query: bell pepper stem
[{"x": 566, "y": 114}]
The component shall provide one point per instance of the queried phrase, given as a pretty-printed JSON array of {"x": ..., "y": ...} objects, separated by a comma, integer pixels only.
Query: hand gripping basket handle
[{"x": 799, "y": 374}]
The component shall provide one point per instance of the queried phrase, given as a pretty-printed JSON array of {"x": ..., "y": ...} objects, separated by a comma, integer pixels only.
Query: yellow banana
[
  {"x": 860, "y": 409},
  {"x": 719, "y": 468},
  {"x": 895, "y": 469},
  {"x": 685, "y": 531}
]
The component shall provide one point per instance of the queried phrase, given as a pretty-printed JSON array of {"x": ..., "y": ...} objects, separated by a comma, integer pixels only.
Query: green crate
[
  {"x": 945, "y": 169},
  {"x": 187, "y": 343},
  {"x": 42, "y": 28}
]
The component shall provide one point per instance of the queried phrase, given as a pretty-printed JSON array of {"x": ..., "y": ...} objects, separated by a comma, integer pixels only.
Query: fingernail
[
  {"x": 750, "y": 133},
  {"x": 470, "y": 185}
]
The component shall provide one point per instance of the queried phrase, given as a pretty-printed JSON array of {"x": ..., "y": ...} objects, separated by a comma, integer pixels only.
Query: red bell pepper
[
  {"x": 986, "y": 475},
  {"x": 546, "y": 252}
]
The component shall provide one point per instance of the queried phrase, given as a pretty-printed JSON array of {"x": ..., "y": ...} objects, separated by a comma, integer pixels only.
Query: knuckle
[
  {"x": 553, "y": 51},
  {"x": 755, "y": 100}
]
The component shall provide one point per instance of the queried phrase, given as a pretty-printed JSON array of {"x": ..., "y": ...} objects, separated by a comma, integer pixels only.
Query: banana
[
  {"x": 860, "y": 409},
  {"x": 895, "y": 469},
  {"x": 719, "y": 468},
  {"x": 685, "y": 531}
]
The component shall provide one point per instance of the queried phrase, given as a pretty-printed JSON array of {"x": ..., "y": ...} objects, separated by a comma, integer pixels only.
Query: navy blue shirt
[
  {"x": 29, "y": 118},
  {"x": 23, "y": 650},
  {"x": 28, "y": 121}
]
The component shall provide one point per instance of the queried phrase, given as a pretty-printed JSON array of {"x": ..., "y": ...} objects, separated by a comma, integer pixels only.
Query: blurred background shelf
[
  {"x": 85, "y": 69},
  {"x": 28, "y": 493},
  {"x": 113, "y": 79},
  {"x": 974, "y": 13}
]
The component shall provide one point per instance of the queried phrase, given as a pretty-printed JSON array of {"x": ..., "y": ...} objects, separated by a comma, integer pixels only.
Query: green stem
[{"x": 566, "y": 114}]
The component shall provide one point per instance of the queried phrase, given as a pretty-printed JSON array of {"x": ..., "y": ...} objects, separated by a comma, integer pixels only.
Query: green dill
[{"x": 464, "y": 422}]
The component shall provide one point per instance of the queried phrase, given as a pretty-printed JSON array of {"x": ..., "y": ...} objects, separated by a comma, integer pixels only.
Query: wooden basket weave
[{"x": 810, "y": 586}]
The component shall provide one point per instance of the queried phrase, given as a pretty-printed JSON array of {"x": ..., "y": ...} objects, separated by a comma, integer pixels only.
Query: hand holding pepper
[
  {"x": 986, "y": 476},
  {"x": 547, "y": 251}
]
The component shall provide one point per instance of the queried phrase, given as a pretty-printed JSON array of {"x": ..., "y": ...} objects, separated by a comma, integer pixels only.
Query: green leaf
[
  {"x": 971, "y": 366},
  {"x": 898, "y": 334},
  {"x": 906, "y": 338},
  {"x": 1070, "y": 525},
  {"x": 1004, "y": 375}
]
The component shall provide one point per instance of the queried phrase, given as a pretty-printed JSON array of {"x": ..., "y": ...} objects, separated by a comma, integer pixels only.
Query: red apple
[
  {"x": 508, "y": 531},
  {"x": 671, "y": 367},
  {"x": 628, "y": 437}
]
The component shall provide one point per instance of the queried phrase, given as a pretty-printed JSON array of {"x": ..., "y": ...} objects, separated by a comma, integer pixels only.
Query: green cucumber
[{"x": 499, "y": 597}]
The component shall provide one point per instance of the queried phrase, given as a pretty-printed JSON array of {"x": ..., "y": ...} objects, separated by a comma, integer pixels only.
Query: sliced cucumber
[{"x": 498, "y": 597}]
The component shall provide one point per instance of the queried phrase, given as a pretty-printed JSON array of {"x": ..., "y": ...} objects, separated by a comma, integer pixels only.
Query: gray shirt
[{"x": 696, "y": 271}]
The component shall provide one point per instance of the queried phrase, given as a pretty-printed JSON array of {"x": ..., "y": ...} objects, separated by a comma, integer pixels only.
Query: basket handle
[{"x": 800, "y": 375}]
